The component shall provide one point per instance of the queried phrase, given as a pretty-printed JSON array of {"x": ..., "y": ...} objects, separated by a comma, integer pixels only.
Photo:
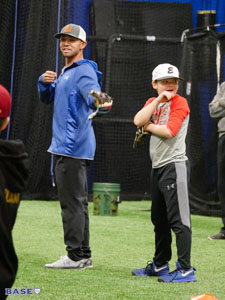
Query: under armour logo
[{"x": 171, "y": 186}]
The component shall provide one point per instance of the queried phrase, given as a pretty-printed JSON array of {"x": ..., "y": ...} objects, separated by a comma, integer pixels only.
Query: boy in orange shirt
[{"x": 169, "y": 178}]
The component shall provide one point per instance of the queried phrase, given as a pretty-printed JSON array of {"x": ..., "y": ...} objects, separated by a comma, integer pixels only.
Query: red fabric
[
  {"x": 5, "y": 102},
  {"x": 178, "y": 111}
]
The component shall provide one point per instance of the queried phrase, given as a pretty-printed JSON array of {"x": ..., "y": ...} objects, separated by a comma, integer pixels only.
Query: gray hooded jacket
[{"x": 217, "y": 109}]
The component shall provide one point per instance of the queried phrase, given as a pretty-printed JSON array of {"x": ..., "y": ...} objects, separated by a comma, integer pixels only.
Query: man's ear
[
  {"x": 4, "y": 124},
  {"x": 83, "y": 45}
]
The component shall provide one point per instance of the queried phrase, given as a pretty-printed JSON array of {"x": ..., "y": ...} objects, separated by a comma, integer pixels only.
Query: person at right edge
[
  {"x": 13, "y": 180},
  {"x": 217, "y": 111},
  {"x": 166, "y": 117}
]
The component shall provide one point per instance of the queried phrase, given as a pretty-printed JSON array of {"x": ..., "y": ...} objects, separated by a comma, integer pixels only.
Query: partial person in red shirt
[{"x": 166, "y": 117}]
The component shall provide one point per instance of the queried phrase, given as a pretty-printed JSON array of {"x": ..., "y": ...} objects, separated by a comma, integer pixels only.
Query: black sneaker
[{"x": 218, "y": 236}]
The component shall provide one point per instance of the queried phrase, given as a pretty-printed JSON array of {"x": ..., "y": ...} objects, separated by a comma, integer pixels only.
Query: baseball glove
[
  {"x": 103, "y": 103},
  {"x": 140, "y": 134}
]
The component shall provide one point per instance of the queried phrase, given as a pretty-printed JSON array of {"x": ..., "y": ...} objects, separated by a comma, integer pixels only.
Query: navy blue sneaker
[
  {"x": 179, "y": 275},
  {"x": 152, "y": 270}
]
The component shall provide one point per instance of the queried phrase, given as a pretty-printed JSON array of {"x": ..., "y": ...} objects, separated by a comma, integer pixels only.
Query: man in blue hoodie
[{"x": 73, "y": 141}]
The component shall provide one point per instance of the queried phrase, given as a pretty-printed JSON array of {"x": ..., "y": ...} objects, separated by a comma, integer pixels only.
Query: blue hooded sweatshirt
[{"x": 72, "y": 132}]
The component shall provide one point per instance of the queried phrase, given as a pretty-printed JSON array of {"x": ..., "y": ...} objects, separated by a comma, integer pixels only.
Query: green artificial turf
[{"x": 119, "y": 244}]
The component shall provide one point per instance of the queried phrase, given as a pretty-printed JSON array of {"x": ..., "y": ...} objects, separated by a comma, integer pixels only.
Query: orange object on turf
[{"x": 204, "y": 297}]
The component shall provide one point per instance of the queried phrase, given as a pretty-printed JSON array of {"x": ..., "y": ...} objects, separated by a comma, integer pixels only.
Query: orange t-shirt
[
  {"x": 175, "y": 115},
  {"x": 171, "y": 115}
]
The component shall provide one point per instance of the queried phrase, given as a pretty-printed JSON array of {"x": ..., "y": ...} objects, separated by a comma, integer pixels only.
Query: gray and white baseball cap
[
  {"x": 72, "y": 30},
  {"x": 165, "y": 71}
]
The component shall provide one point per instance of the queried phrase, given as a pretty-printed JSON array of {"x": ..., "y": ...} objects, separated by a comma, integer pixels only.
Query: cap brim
[
  {"x": 168, "y": 77},
  {"x": 58, "y": 35}
]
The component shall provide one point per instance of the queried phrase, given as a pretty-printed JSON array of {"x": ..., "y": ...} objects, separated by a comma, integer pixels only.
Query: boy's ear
[
  {"x": 154, "y": 84},
  {"x": 4, "y": 124}
]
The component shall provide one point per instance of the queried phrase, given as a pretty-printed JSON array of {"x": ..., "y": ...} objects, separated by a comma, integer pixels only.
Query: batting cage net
[
  {"x": 127, "y": 39},
  {"x": 132, "y": 44},
  {"x": 202, "y": 66}
]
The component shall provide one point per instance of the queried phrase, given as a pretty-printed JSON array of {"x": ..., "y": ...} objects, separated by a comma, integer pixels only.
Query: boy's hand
[
  {"x": 165, "y": 96},
  {"x": 49, "y": 76},
  {"x": 140, "y": 134}
]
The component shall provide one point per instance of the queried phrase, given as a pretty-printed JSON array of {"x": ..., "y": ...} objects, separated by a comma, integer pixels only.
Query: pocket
[{"x": 60, "y": 165}]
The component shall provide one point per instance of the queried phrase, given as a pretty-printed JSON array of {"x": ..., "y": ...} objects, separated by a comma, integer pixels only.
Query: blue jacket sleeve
[
  {"x": 45, "y": 90},
  {"x": 88, "y": 80}
]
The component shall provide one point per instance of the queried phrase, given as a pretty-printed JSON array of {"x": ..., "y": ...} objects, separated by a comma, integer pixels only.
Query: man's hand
[
  {"x": 49, "y": 76},
  {"x": 103, "y": 103},
  {"x": 101, "y": 99}
]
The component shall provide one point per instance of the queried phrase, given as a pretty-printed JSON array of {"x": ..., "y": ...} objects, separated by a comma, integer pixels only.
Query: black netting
[
  {"x": 127, "y": 39},
  {"x": 7, "y": 13},
  {"x": 116, "y": 161},
  {"x": 129, "y": 83},
  {"x": 127, "y": 59},
  {"x": 30, "y": 119},
  {"x": 141, "y": 18},
  {"x": 134, "y": 20},
  {"x": 126, "y": 62},
  {"x": 199, "y": 67}
]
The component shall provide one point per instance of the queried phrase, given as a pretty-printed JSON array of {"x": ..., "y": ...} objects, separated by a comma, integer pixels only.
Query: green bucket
[{"x": 106, "y": 197}]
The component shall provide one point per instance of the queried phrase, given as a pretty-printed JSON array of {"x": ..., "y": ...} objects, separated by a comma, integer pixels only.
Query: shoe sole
[
  {"x": 147, "y": 275},
  {"x": 180, "y": 281},
  {"x": 140, "y": 275},
  {"x": 88, "y": 267},
  {"x": 64, "y": 268}
]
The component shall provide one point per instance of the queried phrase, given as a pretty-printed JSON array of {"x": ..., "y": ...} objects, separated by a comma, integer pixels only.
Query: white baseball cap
[
  {"x": 165, "y": 71},
  {"x": 73, "y": 30}
]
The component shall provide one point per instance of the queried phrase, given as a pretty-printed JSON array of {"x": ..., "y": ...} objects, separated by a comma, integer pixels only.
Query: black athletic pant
[
  {"x": 71, "y": 183},
  {"x": 221, "y": 177},
  {"x": 170, "y": 210}
]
